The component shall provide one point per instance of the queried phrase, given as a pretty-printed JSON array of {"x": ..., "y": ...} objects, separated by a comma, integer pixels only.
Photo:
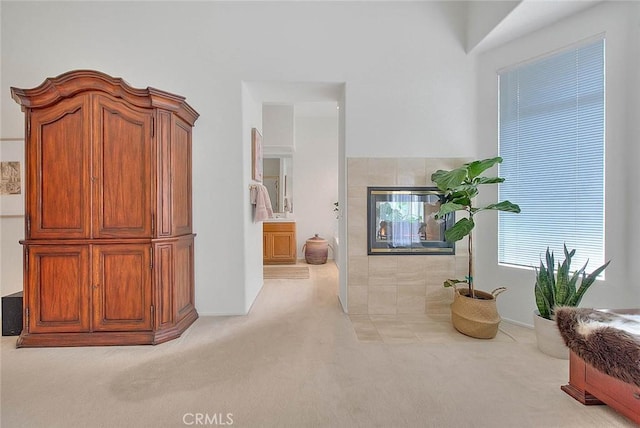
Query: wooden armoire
[{"x": 109, "y": 245}]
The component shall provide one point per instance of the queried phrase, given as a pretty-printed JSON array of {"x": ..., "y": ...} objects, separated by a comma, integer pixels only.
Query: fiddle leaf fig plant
[
  {"x": 460, "y": 186},
  {"x": 553, "y": 290}
]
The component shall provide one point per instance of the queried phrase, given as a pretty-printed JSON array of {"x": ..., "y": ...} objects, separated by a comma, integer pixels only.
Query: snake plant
[{"x": 553, "y": 290}]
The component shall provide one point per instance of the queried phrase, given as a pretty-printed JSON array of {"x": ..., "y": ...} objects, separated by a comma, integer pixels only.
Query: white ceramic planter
[{"x": 548, "y": 337}]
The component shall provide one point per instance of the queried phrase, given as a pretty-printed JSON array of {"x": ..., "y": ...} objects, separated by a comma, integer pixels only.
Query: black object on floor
[{"x": 12, "y": 314}]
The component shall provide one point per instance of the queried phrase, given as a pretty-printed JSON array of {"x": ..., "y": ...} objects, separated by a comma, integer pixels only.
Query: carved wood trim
[{"x": 68, "y": 84}]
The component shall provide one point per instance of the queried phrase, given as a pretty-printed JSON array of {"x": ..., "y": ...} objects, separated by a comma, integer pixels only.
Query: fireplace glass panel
[{"x": 401, "y": 220}]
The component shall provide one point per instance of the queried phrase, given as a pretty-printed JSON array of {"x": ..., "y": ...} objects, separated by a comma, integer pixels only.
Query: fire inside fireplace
[{"x": 401, "y": 220}]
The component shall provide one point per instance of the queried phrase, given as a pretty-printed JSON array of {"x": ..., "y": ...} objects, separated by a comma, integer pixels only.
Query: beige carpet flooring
[
  {"x": 286, "y": 272},
  {"x": 294, "y": 361}
]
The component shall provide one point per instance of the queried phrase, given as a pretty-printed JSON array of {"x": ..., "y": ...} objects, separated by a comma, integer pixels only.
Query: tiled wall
[{"x": 392, "y": 284}]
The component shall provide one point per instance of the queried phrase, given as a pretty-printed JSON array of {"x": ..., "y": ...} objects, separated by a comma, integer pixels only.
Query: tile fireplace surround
[{"x": 396, "y": 284}]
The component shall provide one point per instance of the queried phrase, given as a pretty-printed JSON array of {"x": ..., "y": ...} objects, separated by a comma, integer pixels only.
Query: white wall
[
  {"x": 251, "y": 273},
  {"x": 315, "y": 165},
  {"x": 11, "y": 231},
  {"x": 632, "y": 207},
  {"x": 413, "y": 92},
  {"x": 620, "y": 22},
  {"x": 408, "y": 82},
  {"x": 278, "y": 127},
  {"x": 340, "y": 256}
]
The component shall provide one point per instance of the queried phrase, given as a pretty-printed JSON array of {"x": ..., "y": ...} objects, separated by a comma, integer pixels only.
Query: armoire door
[
  {"x": 57, "y": 288},
  {"x": 122, "y": 298},
  {"x": 184, "y": 277},
  {"x": 123, "y": 180},
  {"x": 58, "y": 159},
  {"x": 181, "y": 178}
]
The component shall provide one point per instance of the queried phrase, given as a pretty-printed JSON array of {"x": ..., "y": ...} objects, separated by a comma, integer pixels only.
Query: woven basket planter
[{"x": 477, "y": 317}]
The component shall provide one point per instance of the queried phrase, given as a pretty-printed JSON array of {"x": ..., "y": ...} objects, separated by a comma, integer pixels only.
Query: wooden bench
[{"x": 591, "y": 386}]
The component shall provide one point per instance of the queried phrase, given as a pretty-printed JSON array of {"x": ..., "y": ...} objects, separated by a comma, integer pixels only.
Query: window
[{"x": 551, "y": 137}]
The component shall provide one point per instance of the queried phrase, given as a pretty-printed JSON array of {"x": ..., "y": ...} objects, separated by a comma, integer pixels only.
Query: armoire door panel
[
  {"x": 59, "y": 171},
  {"x": 122, "y": 287},
  {"x": 123, "y": 164},
  {"x": 181, "y": 167},
  {"x": 165, "y": 197},
  {"x": 164, "y": 285},
  {"x": 58, "y": 289},
  {"x": 183, "y": 265}
]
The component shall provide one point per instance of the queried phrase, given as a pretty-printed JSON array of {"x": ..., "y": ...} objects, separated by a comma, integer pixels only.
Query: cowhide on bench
[{"x": 609, "y": 342}]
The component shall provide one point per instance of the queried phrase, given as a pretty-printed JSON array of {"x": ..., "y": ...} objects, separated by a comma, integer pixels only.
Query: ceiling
[
  {"x": 527, "y": 16},
  {"x": 502, "y": 21}
]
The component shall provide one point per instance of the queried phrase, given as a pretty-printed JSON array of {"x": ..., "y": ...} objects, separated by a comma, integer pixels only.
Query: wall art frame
[
  {"x": 12, "y": 177},
  {"x": 256, "y": 155}
]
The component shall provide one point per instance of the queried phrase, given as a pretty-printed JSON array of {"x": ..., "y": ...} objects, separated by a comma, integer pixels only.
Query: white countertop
[{"x": 279, "y": 219}]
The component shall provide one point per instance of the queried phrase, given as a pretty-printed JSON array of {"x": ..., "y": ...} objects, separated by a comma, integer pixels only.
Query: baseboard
[{"x": 518, "y": 323}]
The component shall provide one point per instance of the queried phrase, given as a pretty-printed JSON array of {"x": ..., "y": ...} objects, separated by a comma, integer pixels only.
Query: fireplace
[{"x": 401, "y": 221}]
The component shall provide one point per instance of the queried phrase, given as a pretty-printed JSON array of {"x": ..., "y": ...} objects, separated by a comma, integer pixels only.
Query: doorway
[{"x": 316, "y": 155}]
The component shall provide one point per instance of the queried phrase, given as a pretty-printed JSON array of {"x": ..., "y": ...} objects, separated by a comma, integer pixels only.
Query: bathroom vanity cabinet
[
  {"x": 108, "y": 248},
  {"x": 279, "y": 243}
]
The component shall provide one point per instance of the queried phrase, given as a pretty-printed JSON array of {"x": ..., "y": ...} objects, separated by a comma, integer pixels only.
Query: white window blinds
[{"x": 551, "y": 137}]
